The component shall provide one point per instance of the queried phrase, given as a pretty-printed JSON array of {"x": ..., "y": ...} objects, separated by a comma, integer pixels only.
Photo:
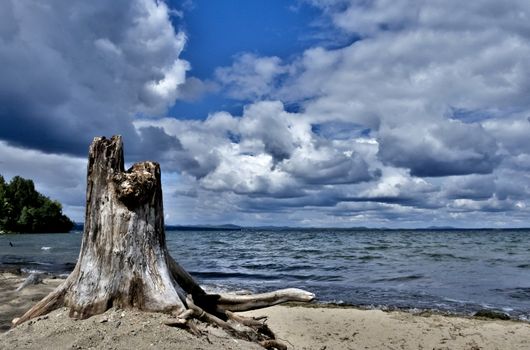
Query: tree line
[{"x": 23, "y": 209}]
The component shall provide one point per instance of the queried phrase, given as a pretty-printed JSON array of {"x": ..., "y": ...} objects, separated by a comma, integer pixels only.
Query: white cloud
[
  {"x": 265, "y": 152},
  {"x": 108, "y": 46},
  {"x": 251, "y": 76}
]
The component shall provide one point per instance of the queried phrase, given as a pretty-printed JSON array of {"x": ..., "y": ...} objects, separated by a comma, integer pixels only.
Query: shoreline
[
  {"x": 23, "y": 273},
  {"x": 312, "y": 326}
]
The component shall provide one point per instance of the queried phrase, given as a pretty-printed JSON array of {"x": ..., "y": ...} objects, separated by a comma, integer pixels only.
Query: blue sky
[
  {"x": 306, "y": 113},
  {"x": 262, "y": 27}
]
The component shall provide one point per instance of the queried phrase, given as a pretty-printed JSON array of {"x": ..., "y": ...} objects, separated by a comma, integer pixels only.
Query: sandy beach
[{"x": 314, "y": 327}]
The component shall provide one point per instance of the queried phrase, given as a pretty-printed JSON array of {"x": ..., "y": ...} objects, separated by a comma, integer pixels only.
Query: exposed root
[
  {"x": 258, "y": 325},
  {"x": 34, "y": 278},
  {"x": 201, "y": 314},
  {"x": 181, "y": 320},
  {"x": 186, "y": 314},
  {"x": 53, "y": 301},
  {"x": 183, "y": 278},
  {"x": 273, "y": 344},
  {"x": 180, "y": 323},
  {"x": 250, "y": 329},
  {"x": 247, "y": 321},
  {"x": 193, "y": 329}
]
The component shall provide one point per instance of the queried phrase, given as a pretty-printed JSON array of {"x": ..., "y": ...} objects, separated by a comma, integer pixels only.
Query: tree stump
[{"x": 124, "y": 262}]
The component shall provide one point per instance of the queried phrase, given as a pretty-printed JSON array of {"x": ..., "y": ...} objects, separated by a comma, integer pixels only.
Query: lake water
[{"x": 452, "y": 271}]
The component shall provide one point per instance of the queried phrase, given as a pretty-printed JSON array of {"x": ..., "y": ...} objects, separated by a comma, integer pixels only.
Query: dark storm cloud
[
  {"x": 73, "y": 71},
  {"x": 447, "y": 148},
  {"x": 389, "y": 200},
  {"x": 156, "y": 145},
  {"x": 337, "y": 169},
  {"x": 414, "y": 200},
  {"x": 319, "y": 200},
  {"x": 474, "y": 187}
]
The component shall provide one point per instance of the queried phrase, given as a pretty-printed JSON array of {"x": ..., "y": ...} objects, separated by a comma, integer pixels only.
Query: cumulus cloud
[
  {"x": 193, "y": 89},
  {"x": 266, "y": 152},
  {"x": 251, "y": 76},
  {"x": 471, "y": 187},
  {"x": 71, "y": 71},
  {"x": 441, "y": 149}
]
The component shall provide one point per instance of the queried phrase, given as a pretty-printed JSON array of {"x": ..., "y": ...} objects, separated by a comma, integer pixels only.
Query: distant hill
[
  {"x": 441, "y": 228},
  {"x": 228, "y": 227},
  {"x": 23, "y": 209},
  {"x": 79, "y": 226}
]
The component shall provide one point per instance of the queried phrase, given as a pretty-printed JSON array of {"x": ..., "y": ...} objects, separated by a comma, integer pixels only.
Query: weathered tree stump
[{"x": 124, "y": 262}]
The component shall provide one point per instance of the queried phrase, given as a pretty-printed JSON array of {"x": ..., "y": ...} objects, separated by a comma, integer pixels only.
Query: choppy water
[{"x": 455, "y": 271}]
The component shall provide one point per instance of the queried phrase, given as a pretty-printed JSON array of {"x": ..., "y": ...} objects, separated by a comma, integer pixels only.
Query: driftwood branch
[{"x": 258, "y": 301}]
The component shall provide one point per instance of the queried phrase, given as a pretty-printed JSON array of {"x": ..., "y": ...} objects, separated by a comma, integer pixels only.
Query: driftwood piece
[
  {"x": 33, "y": 278},
  {"x": 124, "y": 262},
  {"x": 258, "y": 301}
]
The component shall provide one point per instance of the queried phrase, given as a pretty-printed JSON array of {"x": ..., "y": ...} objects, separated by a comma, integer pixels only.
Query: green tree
[
  {"x": 23, "y": 209},
  {"x": 2, "y": 187},
  {"x": 3, "y": 202}
]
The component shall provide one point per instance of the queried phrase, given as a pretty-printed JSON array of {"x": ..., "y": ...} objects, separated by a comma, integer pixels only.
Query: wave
[
  {"x": 445, "y": 256},
  {"x": 378, "y": 247},
  {"x": 276, "y": 267},
  {"x": 215, "y": 275},
  {"x": 399, "y": 278},
  {"x": 369, "y": 257},
  {"x": 519, "y": 293},
  {"x": 524, "y": 266}
]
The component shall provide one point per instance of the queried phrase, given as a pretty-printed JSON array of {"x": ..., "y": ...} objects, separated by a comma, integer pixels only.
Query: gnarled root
[
  {"x": 52, "y": 301},
  {"x": 273, "y": 344},
  {"x": 218, "y": 310}
]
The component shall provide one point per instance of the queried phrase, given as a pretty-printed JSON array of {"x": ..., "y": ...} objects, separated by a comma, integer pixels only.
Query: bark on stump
[{"x": 124, "y": 262}]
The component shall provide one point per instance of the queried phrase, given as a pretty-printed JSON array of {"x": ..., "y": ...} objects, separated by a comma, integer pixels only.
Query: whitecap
[
  {"x": 46, "y": 248},
  {"x": 30, "y": 271}
]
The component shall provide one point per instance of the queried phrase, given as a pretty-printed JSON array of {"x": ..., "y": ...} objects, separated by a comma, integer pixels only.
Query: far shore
[{"x": 318, "y": 327}]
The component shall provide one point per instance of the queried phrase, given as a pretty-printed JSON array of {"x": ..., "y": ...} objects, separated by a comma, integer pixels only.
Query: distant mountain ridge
[
  {"x": 226, "y": 227},
  {"x": 232, "y": 227}
]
